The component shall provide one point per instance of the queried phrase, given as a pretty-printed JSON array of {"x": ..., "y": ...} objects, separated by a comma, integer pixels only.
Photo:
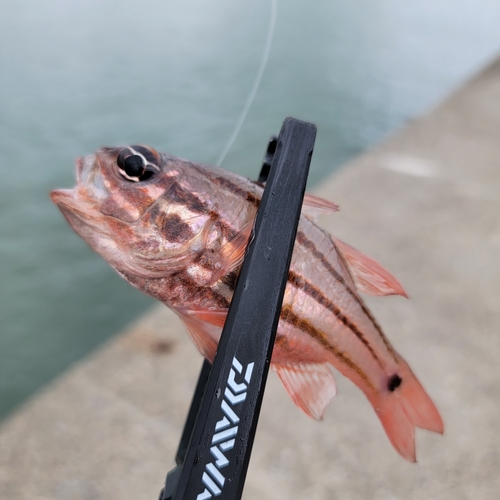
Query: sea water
[{"x": 175, "y": 74}]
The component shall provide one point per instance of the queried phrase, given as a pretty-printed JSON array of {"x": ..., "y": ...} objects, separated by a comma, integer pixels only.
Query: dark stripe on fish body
[
  {"x": 195, "y": 204},
  {"x": 282, "y": 342},
  {"x": 178, "y": 228},
  {"x": 230, "y": 186},
  {"x": 230, "y": 280},
  {"x": 307, "y": 243},
  {"x": 185, "y": 197},
  {"x": 288, "y": 316},
  {"x": 191, "y": 288},
  {"x": 226, "y": 229},
  {"x": 250, "y": 197},
  {"x": 315, "y": 293},
  {"x": 182, "y": 196}
]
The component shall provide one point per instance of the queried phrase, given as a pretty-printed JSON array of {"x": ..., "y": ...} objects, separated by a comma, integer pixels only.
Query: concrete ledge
[{"x": 426, "y": 204}]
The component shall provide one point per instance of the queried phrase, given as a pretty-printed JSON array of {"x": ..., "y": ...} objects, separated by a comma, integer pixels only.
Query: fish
[{"x": 178, "y": 231}]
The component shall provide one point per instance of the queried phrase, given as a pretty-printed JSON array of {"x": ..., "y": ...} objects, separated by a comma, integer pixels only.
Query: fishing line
[{"x": 256, "y": 83}]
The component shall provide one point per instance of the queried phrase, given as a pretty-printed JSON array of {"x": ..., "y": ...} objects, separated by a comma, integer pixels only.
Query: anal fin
[{"x": 311, "y": 386}]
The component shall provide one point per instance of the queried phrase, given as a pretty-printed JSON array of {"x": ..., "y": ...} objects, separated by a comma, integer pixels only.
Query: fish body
[{"x": 178, "y": 231}]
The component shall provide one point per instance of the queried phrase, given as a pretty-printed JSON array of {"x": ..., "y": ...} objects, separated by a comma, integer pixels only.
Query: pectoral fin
[
  {"x": 370, "y": 277},
  {"x": 233, "y": 252},
  {"x": 314, "y": 206},
  {"x": 311, "y": 386},
  {"x": 216, "y": 317}
]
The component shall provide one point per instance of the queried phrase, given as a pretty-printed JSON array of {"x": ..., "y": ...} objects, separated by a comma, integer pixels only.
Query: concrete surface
[{"x": 426, "y": 204}]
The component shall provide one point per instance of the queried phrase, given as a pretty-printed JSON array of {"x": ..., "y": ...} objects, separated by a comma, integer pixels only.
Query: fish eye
[
  {"x": 133, "y": 166},
  {"x": 136, "y": 163}
]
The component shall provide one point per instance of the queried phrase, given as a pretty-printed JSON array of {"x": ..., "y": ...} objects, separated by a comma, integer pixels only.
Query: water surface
[{"x": 175, "y": 74}]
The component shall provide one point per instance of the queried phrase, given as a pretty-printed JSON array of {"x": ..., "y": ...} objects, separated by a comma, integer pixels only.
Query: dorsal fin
[
  {"x": 370, "y": 277},
  {"x": 314, "y": 206},
  {"x": 311, "y": 386}
]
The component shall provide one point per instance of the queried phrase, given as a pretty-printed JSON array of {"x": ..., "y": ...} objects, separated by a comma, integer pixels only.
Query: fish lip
[
  {"x": 65, "y": 201},
  {"x": 63, "y": 197},
  {"x": 76, "y": 213}
]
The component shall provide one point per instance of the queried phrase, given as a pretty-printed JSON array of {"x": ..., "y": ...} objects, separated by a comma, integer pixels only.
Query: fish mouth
[
  {"x": 65, "y": 201},
  {"x": 77, "y": 203},
  {"x": 85, "y": 165},
  {"x": 79, "y": 215},
  {"x": 62, "y": 196}
]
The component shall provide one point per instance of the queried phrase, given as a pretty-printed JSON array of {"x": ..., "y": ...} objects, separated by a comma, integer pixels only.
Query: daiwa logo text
[{"x": 226, "y": 430}]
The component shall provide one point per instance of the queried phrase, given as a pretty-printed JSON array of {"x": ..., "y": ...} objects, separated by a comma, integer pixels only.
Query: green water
[{"x": 175, "y": 74}]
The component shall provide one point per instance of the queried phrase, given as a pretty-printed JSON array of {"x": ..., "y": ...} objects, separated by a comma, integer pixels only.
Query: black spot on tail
[{"x": 394, "y": 382}]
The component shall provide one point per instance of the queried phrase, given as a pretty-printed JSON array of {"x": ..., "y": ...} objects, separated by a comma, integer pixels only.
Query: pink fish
[{"x": 178, "y": 231}]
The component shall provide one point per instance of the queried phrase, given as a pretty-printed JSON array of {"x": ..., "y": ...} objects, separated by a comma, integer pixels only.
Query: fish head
[{"x": 117, "y": 207}]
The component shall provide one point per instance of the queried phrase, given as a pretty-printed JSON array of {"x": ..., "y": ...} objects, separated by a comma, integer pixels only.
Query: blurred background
[{"x": 76, "y": 75}]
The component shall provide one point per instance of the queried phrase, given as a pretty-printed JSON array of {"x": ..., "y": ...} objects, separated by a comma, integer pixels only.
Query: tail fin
[{"x": 406, "y": 407}]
